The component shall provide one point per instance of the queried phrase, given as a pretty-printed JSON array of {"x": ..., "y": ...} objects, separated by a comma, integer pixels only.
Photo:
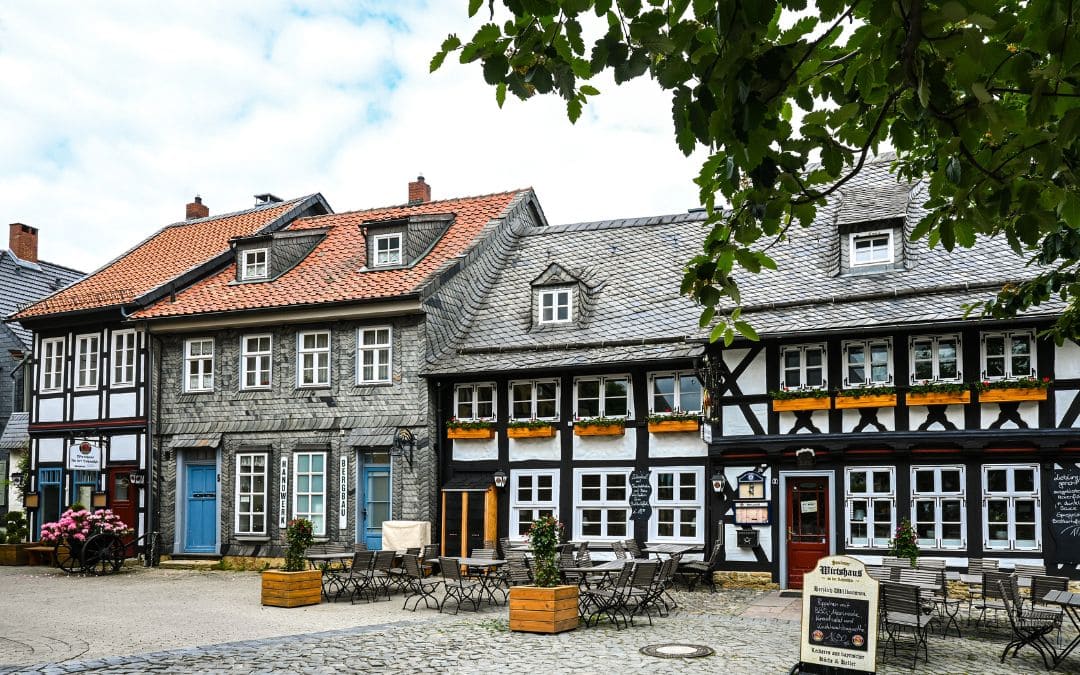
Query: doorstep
[{"x": 773, "y": 606}]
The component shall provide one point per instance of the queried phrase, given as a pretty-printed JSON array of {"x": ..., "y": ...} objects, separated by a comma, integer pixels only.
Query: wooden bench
[{"x": 41, "y": 555}]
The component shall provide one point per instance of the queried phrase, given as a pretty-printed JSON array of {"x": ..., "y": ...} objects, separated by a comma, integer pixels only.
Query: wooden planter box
[
  {"x": 808, "y": 403},
  {"x": 546, "y": 431},
  {"x": 543, "y": 610},
  {"x": 476, "y": 434},
  {"x": 882, "y": 401},
  {"x": 939, "y": 398},
  {"x": 291, "y": 589},
  {"x": 673, "y": 426},
  {"x": 599, "y": 430},
  {"x": 1006, "y": 395},
  {"x": 13, "y": 554}
]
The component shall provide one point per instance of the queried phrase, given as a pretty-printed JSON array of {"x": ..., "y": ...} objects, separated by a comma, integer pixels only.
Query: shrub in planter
[
  {"x": 546, "y": 607},
  {"x": 905, "y": 544},
  {"x": 12, "y": 550},
  {"x": 294, "y": 585}
]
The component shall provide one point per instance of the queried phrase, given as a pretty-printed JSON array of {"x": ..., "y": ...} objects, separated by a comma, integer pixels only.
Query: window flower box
[
  {"x": 531, "y": 430},
  {"x": 600, "y": 426},
  {"x": 663, "y": 426},
  {"x": 805, "y": 403},
  {"x": 865, "y": 399},
  {"x": 939, "y": 398},
  {"x": 465, "y": 433},
  {"x": 1021, "y": 389}
]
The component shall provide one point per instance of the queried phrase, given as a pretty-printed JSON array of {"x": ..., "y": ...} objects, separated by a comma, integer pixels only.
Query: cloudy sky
[{"x": 115, "y": 114}]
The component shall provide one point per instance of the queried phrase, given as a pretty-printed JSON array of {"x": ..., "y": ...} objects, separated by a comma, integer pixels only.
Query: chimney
[
  {"x": 419, "y": 191},
  {"x": 22, "y": 240},
  {"x": 197, "y": 209}
]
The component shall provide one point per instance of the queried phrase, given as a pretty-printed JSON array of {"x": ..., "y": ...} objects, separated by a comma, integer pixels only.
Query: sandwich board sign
[{"x": 839, "y": 617}]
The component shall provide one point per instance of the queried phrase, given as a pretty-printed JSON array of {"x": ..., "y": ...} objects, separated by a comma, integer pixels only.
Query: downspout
[
  {"x": 153, "y": 422},
  {"x": 436, "y": 446}
]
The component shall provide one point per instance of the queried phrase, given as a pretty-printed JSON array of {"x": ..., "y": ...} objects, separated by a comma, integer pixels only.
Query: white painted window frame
[
  {"x": 678, "y": 505},
  {"x": 678, "y": 375},
  {"x": 87, "y": 376},
  {"x": 265, "y": 493},
  {"x": 320, "y": 528},
  {"x": 801, "y": 350},
  {"x": 602, "y": 379},
  {"x": 1012, "y": 496},
  {"x": 390, "y": 261},
  {"x": 937, "y": 495},
  {"x": 871, "y": 235},
  {"x": 52, "y": 365},
  {"x": 550, "y": 298},
  {"x": 473, "y": 401},
  {"x": 250, "y": 362},
  {"x": 870, "y": 496},
  {"x": 603, "y": 504},
  {"x": 378, "y": 351},
  {"x": 532, "y": 384},
  {"x": 867, "y": 346},
  {"x": 935, "y": 341},
  {"x": 205, "y": 377},
  {"x": 1008, "y": 337},
  {"x": 251, "y": 268},
  {"x": 124, "y": 350},
  {"x": 533, "y": 505},
  {"x": 308, "y": 359}
]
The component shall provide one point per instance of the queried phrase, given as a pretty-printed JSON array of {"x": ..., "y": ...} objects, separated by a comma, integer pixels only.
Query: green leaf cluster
[
  {"x": 602, "y": 422},
  {"x": 789, "y": 394},
  {"x": 860, "y": 392},
  {"x": 454, "y": 423},
  {"x": 299, "y": 535},
  {"x": 1018, "y": 383},
  {"x": 528, "y": 424},
  {"x": 934, "y": 387},
  {"x": 673, "y": 416}
]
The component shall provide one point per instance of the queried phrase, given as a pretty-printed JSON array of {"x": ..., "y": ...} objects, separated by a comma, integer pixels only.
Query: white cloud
[{"x": 117, "y": 113}]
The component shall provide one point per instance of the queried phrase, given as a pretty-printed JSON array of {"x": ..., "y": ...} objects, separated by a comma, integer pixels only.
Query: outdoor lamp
[
  {"x": 500, "y": 479},
  {"x": 718, "y": 481},
  {"x": 404, "y": 442}
]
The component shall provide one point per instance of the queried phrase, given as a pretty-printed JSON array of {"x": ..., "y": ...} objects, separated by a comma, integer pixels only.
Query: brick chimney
[
  {"x": 22, "y": 240},
  {"x": 419, "y": 191},
  {"x": 197, "y": 209}
]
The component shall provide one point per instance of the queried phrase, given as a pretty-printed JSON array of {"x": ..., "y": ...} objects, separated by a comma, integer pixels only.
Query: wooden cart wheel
[
  {"x": 66, "y": 560},
  {"x": 102, "y": 553}
]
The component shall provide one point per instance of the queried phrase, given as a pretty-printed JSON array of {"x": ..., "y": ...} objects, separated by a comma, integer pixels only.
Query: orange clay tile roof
[
  {"x": 167, "y": 254},
  {"x": 331, "y": 273}
]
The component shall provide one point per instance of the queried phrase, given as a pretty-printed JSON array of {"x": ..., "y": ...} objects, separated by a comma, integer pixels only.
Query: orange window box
[
  {"x": 1007, "y": 395},
  {"x": 880, "y": 401},
  {"x": 939, "y": 398},
  {"x": 807, "y": 403},
  {"x": 672, "y": 426},
  {"x": 546, "y": 431},
  {"x": 471, "y": 434},
  {"x": 599, "y": 430}
]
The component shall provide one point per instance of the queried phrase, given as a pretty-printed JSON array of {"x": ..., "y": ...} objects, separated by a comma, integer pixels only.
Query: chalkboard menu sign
[
  {"x": 1065, "y": 512},
  {"x": 839, "y": 617},
  {"x": 640, "y": 490}
]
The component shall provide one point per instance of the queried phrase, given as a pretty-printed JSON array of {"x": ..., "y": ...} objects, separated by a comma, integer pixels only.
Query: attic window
[
  {"x": 556, "y": 305},
  {"x": 871, "y": 248},
  {"x": 387, "y": 250},
  {"x": 253, "y": 264}
]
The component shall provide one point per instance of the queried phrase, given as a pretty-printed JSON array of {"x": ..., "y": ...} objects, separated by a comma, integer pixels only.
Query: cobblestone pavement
[{"x": 728, "y": 621}]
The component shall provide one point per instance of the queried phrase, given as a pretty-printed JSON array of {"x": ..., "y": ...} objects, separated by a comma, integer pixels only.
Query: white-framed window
[
  {"x": 556, "y": 305},
  {"x": 1008, "y": 355},
  {"x": 309, "y": 489},
  {"x": 52, "y": 364},
  {"x": 606, "y": 396},
  {"x": 870, "y": 498},
  {"x": 602, "y": 504},
  {"x": 534, "y": 399},
  {"x": 938, "y": 511},
  {"x": 1011, "y": 518},
  {"x": 313, "y": 356},
  {"x": 936, "y": 358},
  {"x": 251, "y": 493},
  {"x": 474, "y": 401},
  {"x": 373, "y": 355},
  {"x": 255, "y": 361},
  {"x": 867, "y": 363},
  {"x": 123, "y": 358},
  {"x": 533, "y": 494},
  {"x": 253, "y": 264},
  {"x": 87, "y": 356},
  {"x": 803, "y": 367},
  {"x": 678, "y": 504},
  {"x": 199, "y": 364},
  {"x": 387, "y": 249},
  {"x": 675, "y": 391},
  {"x": 871, "y": 248}
]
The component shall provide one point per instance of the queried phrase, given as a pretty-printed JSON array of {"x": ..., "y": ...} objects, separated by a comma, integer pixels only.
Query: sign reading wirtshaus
[{"x": 839, "y": 616}]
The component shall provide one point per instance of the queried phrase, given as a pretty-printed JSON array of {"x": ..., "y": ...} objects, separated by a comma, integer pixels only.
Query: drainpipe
[
  {"x": 153, "y": 422},
  {"x": 436, "y": 448}
]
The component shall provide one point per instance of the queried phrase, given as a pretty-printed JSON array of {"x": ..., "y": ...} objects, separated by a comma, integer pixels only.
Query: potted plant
[
  {"x": 470, "y": 429},
  {"x": 673, "y": 421},
  {"x": 938, "y": 393},
  {"x": 13, "y": 550},
  {"x": 75, "y": 527},
  {"x": 906, "y": 543},
  {"x": 600, "y": 426},
  {"x": 293, "y": 585},
  {"x": 533, "y": 428},
  {"x": 546, "y": 607},
  {"x": 787, "y": 400},
  {"x": 866, "y": 397},
  {"x": 1020, "y": 389}
]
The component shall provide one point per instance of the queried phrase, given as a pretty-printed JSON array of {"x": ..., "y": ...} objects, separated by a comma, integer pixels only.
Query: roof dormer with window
[
  {"x": 561, "y": 298},
  {"x": 402, "y": 242},
  {"x": 267, "y": 256}
]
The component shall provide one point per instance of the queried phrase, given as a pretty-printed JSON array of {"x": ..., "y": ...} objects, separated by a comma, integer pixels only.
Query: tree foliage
[{"x": 980, "y": 97}]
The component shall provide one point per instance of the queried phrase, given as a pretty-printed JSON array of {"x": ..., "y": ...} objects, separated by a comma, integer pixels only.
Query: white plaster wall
[
  {"x": 122, "y": 405},
  {"x": 50, "y": 450},
  {"x": 50, "y": 409},
  {"x": 123, "y": 448},
  {"x": 1062, "y": 401},
  {"x": 522, "y": 449},
  {"x": 1067, "y": 360},
  {"x": 471, "y": 450},
  {"x": 731, "y": 543},
  {"x": 606, "y": 447},
  {"x": 752, "y": 380},
  {"x": 886, "y": 416},
  {"x": 820, "y": 418},
  {"x": 86, "y": 407},
  {"x": 687, "y": 444},
  {"x": 917, "y": 415},
  {"x": 735, "y": 423},
  {"x": 1029, "y": 412}
]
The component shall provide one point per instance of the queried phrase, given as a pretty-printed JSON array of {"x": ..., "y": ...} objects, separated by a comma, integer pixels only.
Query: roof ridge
[
  {"x": 419, "y": 204},
  {"x": 612, "y": 223},
  {"x": 233, "y": 214}
]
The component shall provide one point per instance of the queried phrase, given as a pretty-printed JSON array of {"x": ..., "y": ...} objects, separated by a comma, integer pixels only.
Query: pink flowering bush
[{"x": 78, "y": 525}]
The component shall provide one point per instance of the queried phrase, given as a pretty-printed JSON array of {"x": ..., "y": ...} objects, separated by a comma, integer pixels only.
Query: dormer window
[
  {"x": 871, "y": 248},
  {"x": 387, "y": 250},
  {"x": 253, "y": 264},
  {"x": 556, "y": 305}
]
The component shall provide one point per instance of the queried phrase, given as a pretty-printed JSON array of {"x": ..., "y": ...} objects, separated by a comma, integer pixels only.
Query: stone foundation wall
[{"x": 756, "y": 580}]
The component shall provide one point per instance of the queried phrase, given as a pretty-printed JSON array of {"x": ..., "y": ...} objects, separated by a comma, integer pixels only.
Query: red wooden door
[
  {"x": 808, "y": 526},
  {"x": 123, "y": 498}
]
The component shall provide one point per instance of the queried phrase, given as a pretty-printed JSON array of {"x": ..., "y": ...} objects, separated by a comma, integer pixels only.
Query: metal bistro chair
[
  {"x": 644, "y": 591},
  {"x": 360, "y": 578},
  {"x": 458, "y": 588},
  {"x": 595, "y": 603},
  {"x": 1029, "y": 627},
  {"x": 991, "y": 600},
  {"x": 337, "y": 581},
  {"x": 696, "y": 571},
  {"x": 417, "y": 586},
  {"x": 619, "y": 550},
  {"x": 1040, "y": 586},
  {"x": 517, "y": 569},
  {"x": 429, "y": 559},
  {"x": 902, "y": 609},
  {"x": 666, "y": 578},
  {"x": 382, "y": 573},
  {"x": 976, "y": 566},
  {"x": 634, "y": 549}
]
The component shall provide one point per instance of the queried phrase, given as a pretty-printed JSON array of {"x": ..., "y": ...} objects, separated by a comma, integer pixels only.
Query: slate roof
[
  {"x": 15, "y": 435},
  {"x": 333, "y": 272},
  {"x": 167, "y": 254},
  {"x": 22, "y": 281}
]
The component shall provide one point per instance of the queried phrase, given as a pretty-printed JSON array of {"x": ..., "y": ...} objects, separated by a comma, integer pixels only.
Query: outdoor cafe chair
[
  {"x": 1028, "y": 627},
  {"x": 991, "y": 600},
  {"x": 429, "y": 559},
  {"x": 1028, "y": 571},
  {"x": 1040, "y": 586},
  {"x": 517, "y": 569},
  {"x": 417, "y": 586},
  {"x": 596, "y": 603},
  {"x": 619, "y": 550},
  {"x": 665, "y": 578},
  {"x": 634, "y": 550},
  {"x": 336, "y": 580},
  {"x": 976, "y": 566},
  {"x": 643, "y": 592},
  {"x": 458, "y": 588},
  {"x": 697, "y": 571},
  {"x": 382, "y": 572},
  {"x": 360, "y": 579},
  {"x": 902, "y": 610}
]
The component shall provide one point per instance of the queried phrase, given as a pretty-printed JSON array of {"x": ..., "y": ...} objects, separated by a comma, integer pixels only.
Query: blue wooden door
[
  {"x": 376, "y": 507},
  {"x": 201, "y": 515}
]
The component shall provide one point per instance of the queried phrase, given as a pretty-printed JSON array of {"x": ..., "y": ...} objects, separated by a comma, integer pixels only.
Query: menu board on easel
[
  {"x": 1065, "y": 512},
  {"x": 839, "y": 616}
]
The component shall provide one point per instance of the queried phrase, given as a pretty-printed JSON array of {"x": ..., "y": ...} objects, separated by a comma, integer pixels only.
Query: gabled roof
[
  {"x": 22, "y": 281},
  {"x": 333, "y": 271},
  {"x": 166, "y": 255},
  {"x": 15, "y": 435}
]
